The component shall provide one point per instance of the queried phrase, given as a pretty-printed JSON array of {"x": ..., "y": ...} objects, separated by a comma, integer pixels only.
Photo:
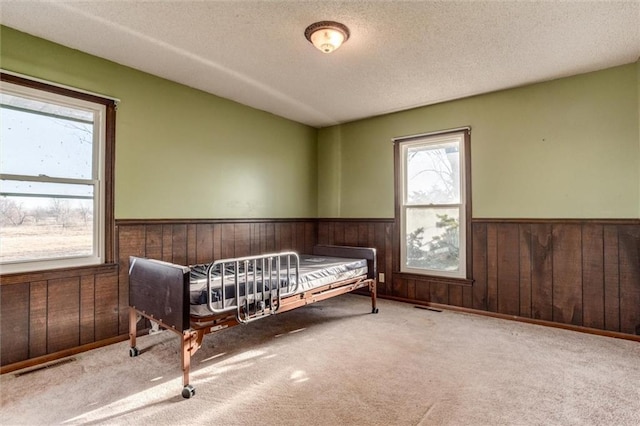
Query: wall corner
[{"x": 329, "y": 171}]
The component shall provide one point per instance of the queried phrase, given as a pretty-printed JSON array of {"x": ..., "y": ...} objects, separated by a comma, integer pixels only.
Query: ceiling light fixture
[{"x": 327, "y": 36}]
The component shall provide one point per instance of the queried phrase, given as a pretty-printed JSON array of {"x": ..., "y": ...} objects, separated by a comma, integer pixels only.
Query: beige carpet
[{"x": 334, "y": 363}]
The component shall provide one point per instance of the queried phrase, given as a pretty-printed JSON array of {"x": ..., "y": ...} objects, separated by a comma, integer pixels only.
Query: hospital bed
[{"x": 197, "y": 300}]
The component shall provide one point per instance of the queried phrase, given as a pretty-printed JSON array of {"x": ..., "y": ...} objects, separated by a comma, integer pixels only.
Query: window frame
[
  {"x": 102, "y": 179},
  {"x": 465, "y": 208}
]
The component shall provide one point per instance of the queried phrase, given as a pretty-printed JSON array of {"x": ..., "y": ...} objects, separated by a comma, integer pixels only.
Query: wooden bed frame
[{"x": 159, "y": 291}]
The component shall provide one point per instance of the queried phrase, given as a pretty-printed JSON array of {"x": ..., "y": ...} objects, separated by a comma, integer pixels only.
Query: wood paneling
[
  {"x": 111, "y": 315},
  {"x": 63, "y": 314},
  {"x": 87, "y": 309},
  {"x": 524, "y": 264},
  {"x": 48, "y": 312},
  {"x": 131, "y": 241},
  {"x": 179, "y": 244},
  {"x": 455, "y": 295},
  {"x": 14, "y": 323},
  {"x": 204, "y": 242},
  {"x": 508, "y": 261},
  {"x": 567, "y": 274},
  {"x": 541, "y": 272},
  {"x": 492, "y": 267},
  {"x": 167, "y": 242},
  {"x": 629, "y": 249},
  {"x": 584, "y": 273},
  {"x": 479, "y": 235},
  {"x": 439, "y": 292},
  {"x": 593, "y": 275},
  {"x": 38, "y": 318},
  {"x": 191, "y": 244},
  {"x": 153, "y": 241}
]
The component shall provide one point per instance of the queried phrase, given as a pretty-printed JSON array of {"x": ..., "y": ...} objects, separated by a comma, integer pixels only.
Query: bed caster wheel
[
  {"x": 133, "y": 352},
  {"x": 188, "y": 391},
  {"x": 374, "y": 310}
]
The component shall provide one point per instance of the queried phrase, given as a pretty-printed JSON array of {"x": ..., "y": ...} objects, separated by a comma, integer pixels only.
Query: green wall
[
  {"x": 329, "y": 179},
  {"x": 568, "y": 148},
  {"x": 180, "y": 152}
]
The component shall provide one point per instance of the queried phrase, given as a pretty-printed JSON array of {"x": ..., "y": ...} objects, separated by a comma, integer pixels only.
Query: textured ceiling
[{"x": 400, "y": 54}]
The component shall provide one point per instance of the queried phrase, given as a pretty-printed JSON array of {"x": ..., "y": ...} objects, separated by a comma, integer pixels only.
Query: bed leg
[
  {"x": 187, "y": 342},
  {"x": 133, "y": 321},
  {"x": 373, "y": 290}
]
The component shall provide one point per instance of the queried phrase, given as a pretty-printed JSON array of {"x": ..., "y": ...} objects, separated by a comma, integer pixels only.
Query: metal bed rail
[{"x": 264, "y": 280}]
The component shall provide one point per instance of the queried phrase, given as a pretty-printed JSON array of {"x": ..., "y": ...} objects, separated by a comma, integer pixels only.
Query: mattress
[{"x": 256, "y": 284}]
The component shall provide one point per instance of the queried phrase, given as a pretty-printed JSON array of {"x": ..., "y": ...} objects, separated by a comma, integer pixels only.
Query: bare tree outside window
[{"x": 11, "y": 213}]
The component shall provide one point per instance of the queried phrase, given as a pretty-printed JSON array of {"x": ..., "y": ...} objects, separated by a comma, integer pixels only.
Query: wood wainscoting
[
  {"x": 56, "y": 312},
  {"x": 52, "y": 314},
  {"x": 579, "y": 273},
  {"x": 583, "y": 273}
]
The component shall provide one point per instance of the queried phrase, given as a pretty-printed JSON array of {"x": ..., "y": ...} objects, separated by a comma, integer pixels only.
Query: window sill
[
  {"x": 467, "y": 282},
  {"x": 21, "y": 277}
]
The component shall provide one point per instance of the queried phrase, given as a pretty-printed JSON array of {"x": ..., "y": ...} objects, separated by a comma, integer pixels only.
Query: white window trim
[
  {"x": 434, "y": 139},
  {"x": 97, "y": 181}
]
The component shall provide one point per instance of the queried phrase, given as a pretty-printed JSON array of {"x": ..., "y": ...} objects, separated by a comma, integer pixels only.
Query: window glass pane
[
  {"x": 34, "y": 228},
  {"x": 433, "y": 238},
  {"x": 433, "y": 174},
  {"x": 38, "y": 138}
]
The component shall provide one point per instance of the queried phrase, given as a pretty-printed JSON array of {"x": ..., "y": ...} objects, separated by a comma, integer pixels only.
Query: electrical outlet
[{"x": 381, "y": 277}]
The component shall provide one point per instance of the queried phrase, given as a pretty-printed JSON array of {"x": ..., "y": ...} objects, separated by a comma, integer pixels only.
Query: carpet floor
[{"x": 334, "y": 363}]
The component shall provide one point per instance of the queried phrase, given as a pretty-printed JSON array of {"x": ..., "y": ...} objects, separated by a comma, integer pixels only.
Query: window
[
  {"x": 55, "y": 176},
  {"x": 433, "y": 203}
]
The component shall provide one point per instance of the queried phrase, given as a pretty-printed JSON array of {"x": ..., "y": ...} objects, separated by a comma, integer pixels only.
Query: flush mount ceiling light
[{"x": 327, "y": 36}]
